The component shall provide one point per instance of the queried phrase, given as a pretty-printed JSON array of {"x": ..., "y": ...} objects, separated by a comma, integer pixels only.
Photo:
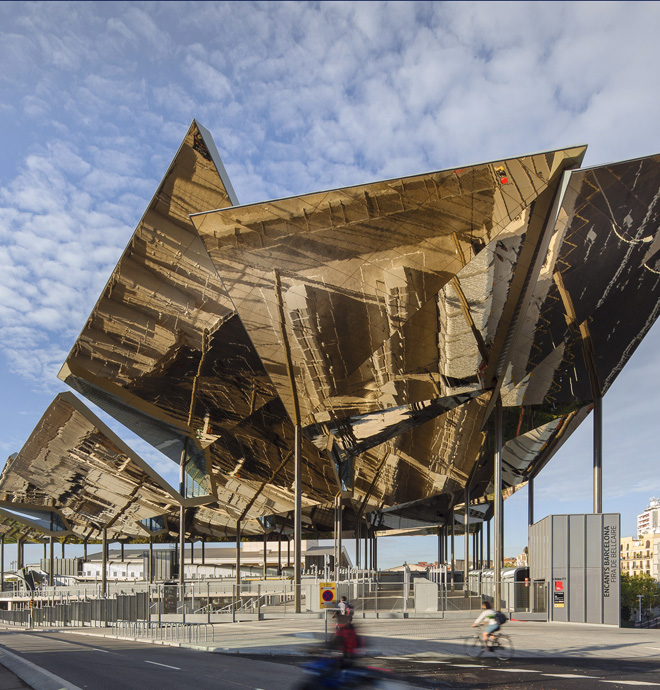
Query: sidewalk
[
  {"x": 437, "y": 637},
  {"x": 9, "y": 681}
]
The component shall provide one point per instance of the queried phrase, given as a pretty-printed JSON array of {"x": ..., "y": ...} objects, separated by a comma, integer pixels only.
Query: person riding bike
[{"x": 488, "y": 618}]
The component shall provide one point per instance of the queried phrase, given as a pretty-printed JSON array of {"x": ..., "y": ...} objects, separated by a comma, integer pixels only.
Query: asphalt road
[
  {"x": 108, "y": 664},
  {"x": 104, "y": 664}
]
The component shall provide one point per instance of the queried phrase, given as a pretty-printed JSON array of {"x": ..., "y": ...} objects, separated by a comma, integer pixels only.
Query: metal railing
[{"x": 207, "y": 603}]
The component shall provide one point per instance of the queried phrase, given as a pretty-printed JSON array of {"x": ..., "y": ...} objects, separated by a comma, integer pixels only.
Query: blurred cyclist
[{"x": 487, "y": 618}]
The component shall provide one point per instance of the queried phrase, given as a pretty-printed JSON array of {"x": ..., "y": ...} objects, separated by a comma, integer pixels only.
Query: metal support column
[
  {"x": 288, "y": 552},
  {"x": 488, "y": 559},
  {"x": 439, "y": 529},
  {"x": 63, "y": 542},
  {"x": 265, "y": 556},
  {"x": 530, "y": 501},
  {"x": 297, "y": 523},
  {"x": 192, "y": 551},
  {"x": 182, "y": 549},
  {"x": 182, "y": 516},
  {"x": 452, "y": 545},
  {"x": 357, "y": 543},
  {"x": 498, "y": 536},
  {"x": 466, "y": 541},
  {"x": 338, "y": 533},
  {"x": 375, "y": 551},
  {"x": 204, "y": 551},
  {"x": 85, "y": 548},
  {"x": 104, "y": 564},
  {"x": 121, "y": 547},
  {"x": 481, "y": 546},
  {"x": 20, "y": 556},
  {"x": 598, "y": 453},
  {"x": 51, "y": 563},
  {"x": 2, "y": 563},
  {"x": 151, "y": 559},
  {"x": 279, "y": 554},
  {"x": 238, "y": 557}
]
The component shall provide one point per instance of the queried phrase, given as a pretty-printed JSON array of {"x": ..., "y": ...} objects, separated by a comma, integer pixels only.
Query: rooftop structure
[{"x": 400, "y": 331}]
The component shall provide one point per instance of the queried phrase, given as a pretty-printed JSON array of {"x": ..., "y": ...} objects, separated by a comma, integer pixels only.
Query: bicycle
[{"x": 500, "y": 646}]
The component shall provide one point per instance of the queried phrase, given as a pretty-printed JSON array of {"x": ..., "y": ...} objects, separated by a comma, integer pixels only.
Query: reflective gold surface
[{"x": 77, "y": 465}]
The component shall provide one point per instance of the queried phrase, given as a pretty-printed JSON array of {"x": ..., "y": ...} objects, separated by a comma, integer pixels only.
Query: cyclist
[{"x": 487, "y": 618}]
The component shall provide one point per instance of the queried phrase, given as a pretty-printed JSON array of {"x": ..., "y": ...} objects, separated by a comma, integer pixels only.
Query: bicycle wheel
[
  {"x": 503, "y": 647},
  {"x": 473, "y": 645}
]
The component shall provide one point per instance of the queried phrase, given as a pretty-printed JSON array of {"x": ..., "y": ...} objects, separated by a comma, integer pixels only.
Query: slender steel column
[
  {"x": 45, "y": 550},
  {"x": 375, "y": 551},
  {"x": 20, "y": 556},
  {"x": 182, "y": 516},
  {"x": 452, "y": 545},
  {"x": 204, "y": 551},
  {"x": 51, "y": 563},
  {"x": 2, "y": 563},
  {"x": 85, "y": 548},
  {"x": 104, "y": 563},
  {"x": 63, "y": 542},
  {"x": 192, "y": 551},
  {"x": 497, "y": 575},
  {"x": 530, "y": 501},
  {"x": 151, "y": 559},
  {"x": 339, "y": 524},
  {"x": 466, "y": 565},
  {"x": 598, "y": 453},
  {"x": 481, "y": 546},
  {"x": 238, "y": 557},
  {"x": 279, "y": 554},
  {"x": 265, "y": 556},
  {"x": 121, "y": 547},
  {"x": 488, "y": 559},
  {"x": 439, "y": 529},
  {"x": 357, "y": 544},
  {"x": 288, "y": 552},
  {"x": 297, "y": 524}
]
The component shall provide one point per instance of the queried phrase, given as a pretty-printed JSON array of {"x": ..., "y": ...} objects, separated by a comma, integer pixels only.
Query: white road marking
[
  {"x": 518, "y": 670},
  {"x": 469, "y": 666},
  {"x": 396, "y": 658},
  {"x": 155, "y": 663},
  {"x": 105, "y": 651},
  {"x": 628, "y": 682},
  {"x": 567, "y": 675},
  {"x": 427, "y": 661}
]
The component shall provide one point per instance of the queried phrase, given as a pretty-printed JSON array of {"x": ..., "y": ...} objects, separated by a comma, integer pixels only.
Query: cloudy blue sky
[{"x": 96, "y": 97}]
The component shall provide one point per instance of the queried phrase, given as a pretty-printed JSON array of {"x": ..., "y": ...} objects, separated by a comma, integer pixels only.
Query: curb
[{"x": 35, "y": 676}]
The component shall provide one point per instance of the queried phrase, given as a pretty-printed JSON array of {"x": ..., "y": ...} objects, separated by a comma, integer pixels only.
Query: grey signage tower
[{"x": 577, "y": 556}]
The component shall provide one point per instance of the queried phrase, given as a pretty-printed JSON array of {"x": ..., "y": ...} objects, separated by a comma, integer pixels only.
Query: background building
[
  {"x": 649, "y": 520},
  {"x": 639, "y": 555}
]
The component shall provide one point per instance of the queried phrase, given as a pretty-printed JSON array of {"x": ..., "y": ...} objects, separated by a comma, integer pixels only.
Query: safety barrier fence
[{"x": 208, "y": 603}]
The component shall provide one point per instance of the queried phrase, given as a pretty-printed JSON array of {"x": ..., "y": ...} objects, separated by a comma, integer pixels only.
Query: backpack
[{"x": 500, "y": 617}]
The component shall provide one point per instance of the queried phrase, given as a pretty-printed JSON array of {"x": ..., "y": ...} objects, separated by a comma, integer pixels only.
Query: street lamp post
[{"x": 639, "y": 597}]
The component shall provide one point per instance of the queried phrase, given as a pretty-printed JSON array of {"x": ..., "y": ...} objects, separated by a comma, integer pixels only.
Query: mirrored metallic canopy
[{"x": 385, "y": 318}]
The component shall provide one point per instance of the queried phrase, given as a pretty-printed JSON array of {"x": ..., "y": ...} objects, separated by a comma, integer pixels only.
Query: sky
[{"x": 95, "y": 99}]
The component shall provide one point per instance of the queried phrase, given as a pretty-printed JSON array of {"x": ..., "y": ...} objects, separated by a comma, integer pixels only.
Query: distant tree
[{"x": 634, "y": 585}]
